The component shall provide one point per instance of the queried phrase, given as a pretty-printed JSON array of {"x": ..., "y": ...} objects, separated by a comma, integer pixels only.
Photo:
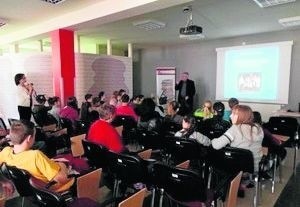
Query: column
[{"x": 63, "y": 63}]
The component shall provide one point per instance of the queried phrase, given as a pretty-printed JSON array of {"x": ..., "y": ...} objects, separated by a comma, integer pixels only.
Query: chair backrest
[
  {"x": 127, "y": 168},
  {"x": 128, "y": 122},
  {"x": 76, "y": 145},
  {"x": 286, "y": 126},
  {"x": 149, "y": 139},
  {"x": 170, "y": 127},
  {"x": 291, "y": 121},
  {"x": 180, "y": 184},
  {"x": 96, "y": 154},
  {"x": 232, "y": 160},
  {"x": 67, "y": 123},
  {"x": 19, "y": 177},
  {"x": 184, "y": 165},
  {"x": 88, "y": 185},
  {"x": 46, "y": 197},
  {"x": 81, "y": 127},
  {"x": 184, "y": 149},
  {"x": 2, "y": 124},
  {"x": 11, "y": 120},
  {"x": 135, "y": 200},
  {"x": 233, "y": 190}
]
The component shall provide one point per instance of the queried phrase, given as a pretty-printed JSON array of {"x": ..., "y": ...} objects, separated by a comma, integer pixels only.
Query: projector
[{"x": 191, "y": 32}]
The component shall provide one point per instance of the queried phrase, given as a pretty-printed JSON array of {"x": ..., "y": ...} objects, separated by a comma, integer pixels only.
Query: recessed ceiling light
[
  {"x": 54, "y": 1},
  {"x": 290, "y": 21},
  {"x": 268, "y": 3},
  {"x": 149, "y": 24}
]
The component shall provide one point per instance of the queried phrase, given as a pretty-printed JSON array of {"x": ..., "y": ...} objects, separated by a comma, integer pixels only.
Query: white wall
[{"x": 93, "y": 74}]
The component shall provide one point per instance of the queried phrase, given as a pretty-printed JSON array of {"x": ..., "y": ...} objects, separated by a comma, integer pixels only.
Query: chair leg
[
  {"x": 153, "y": 197},
  {"x": 295, "y": 159},
  {"x": 23, "y": 200},
  {"x": 274, "y": 174},
  {"x": 161, "y": 196},
  {"x": 279, "y": 170},
  {"x": 255, "y": 198},
  {"x": 209, "y": 177}
]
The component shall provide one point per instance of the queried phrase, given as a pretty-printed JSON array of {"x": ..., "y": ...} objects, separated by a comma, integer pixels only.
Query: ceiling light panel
[
  {"x": 54, "y": 1},
  {"x": 268, "y": 3},
  {"x": 290, "y": 21},
  {"x": 149, "y": 24}
]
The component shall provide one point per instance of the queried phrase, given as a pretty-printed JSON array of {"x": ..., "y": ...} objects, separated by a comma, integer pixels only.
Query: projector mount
[{"x": 188, "y": 10}]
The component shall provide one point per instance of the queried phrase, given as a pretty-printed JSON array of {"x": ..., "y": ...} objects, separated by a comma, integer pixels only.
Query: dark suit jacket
[{"x": 190, "y": 88}]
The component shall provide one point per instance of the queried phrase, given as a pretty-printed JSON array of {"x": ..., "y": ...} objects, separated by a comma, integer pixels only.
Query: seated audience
[
  {"x": 205, "y": 111},
  {"x": 231, "y": 103},
  {"x": 172, "y": 116},
  {"x": 103, "y": 133},
  {"x": 150, "y": 120},
  {"x": 85, "y": 107},
  {"x": 54, "y": 102},
  {"x": 22, "y": 135},
  {"x": 244, "y": 133},
  {"x": 40, "y": 111},
  {"x": 70, "y": 111},
  {"x": 188, "y": 131},
  {"x": 124, "y": 109},
  {"x": 217, "y": 122}
]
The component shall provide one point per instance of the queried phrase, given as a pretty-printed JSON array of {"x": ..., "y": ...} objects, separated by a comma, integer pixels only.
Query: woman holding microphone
[{"x": 24, "y": 96}]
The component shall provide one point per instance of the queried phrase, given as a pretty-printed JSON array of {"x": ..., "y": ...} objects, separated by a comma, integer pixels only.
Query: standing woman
[{"x": 24, "y": 96}]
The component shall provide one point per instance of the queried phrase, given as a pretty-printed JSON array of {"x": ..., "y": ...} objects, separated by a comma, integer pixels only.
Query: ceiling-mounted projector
[{"x": 190, "y": 31}]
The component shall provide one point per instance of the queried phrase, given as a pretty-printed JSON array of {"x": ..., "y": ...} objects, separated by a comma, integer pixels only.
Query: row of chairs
[
  {"x": 177, "y": 183},
  {"x": 87, "y": 194}
]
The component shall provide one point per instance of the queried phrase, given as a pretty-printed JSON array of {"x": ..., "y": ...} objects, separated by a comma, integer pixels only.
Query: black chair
[
  {"x": 67, "y": 123},
  {"x": 11, "y": 120},
  {"x": 3, "y": 141},
  {"x": 48, "y": 198},
  {"x": 129, "y": 126},
  {"x": 182, "y": 186},
  {"x": 81, "y": 127},
  {"x": 96, "y": 154},
  {"x": 170, "y": 127},
  {"x": 2, "y": 124},
  {"x": 226, "y": 163},
  {"x": 20, "y": 178},
  {"x": 286, "y": 126},
  {"x": 126, "y": 169},
  {"x": 179, "y": 150},
  {"x": 149, "y": 139}
]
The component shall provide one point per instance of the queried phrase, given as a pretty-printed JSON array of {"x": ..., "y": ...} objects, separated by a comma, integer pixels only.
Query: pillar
[{"x": 63, "y": 63}]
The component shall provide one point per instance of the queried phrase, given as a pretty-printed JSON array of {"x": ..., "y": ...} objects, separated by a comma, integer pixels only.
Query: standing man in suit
[{"x": 186, "y": 88}]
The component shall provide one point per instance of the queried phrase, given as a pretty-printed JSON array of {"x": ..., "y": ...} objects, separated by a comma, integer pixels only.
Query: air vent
[
  {"x": 149, "y": 24},
  {"x": 268, "y": 3},
  {"x": 290, "y": 21},
  {"x": 2, "y": 22},
  {"x": 54, "y": 1}
]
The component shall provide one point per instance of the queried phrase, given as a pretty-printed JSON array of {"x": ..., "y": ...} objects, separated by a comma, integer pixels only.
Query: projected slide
[{"x": 254, "y": 73}]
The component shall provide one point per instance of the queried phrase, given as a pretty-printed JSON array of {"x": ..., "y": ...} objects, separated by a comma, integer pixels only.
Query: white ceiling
[{"x": 218, "y": 18}]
